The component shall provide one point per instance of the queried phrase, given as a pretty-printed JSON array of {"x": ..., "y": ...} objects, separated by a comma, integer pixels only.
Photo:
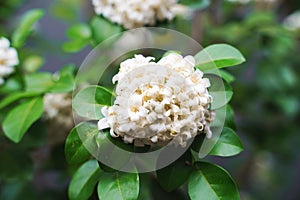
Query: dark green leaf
[
  {"x": 109, "y": 151},
  {"x": 197, "y": 142},
  {"x": 89, "y": 101},
  {"x": 228, "y": 144},
  {"x": 230, "y": 121},
  {"x": 218, "y": 56},
  {"x": 118, "y": 185},
  {"x": 211, "y": 182},
  {"x": 21, "y": 118},
  {"x": 177, "y": 173},
  {"x": 84, "y": 180},
  {"x": 75, "y": 149},
  {"x": 26, "y": 26}
]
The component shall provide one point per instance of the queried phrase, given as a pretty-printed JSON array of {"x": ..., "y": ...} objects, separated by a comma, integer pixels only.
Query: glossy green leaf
[
  {"x": 118, "y": 185},
  {"x": 109, "y": 151},
  {"x": 218, "y": 56},
  {"x": 15, "y": 97},
  {"x": 75, "y": 149},
  {"x": 196, "y": 4},
  {"x": 21, "y": 118},
  {"x": 89, "y": 101},
  {"x": 177, "y": 173},
  {"x": 84, "y": 180},
  {"x": 211, "y": 182},
  {"x": 102, "y": 29},
  {"x": 26, "y": 26},
  {"x": 39, "y": 82},
  {"x": 229, "y": 120},
  {"x": 197, "y": 142},
  {"x": 228, "y": 144},
  {"x": 220, "y": 91}
]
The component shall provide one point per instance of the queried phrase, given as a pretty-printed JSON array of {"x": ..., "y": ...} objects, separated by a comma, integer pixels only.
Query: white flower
[
  {"x": 8, "y": 59},
  {"x": 159, "y": 102},
  {"x": 135, "y": 13},
  {"x": 58, "y": 115},
  {"x": 292, "y": 21}
]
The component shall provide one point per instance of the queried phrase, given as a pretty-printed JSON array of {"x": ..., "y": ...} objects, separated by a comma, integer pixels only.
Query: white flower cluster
[
  {"x": 135, "y": 13},
  {"x": 153, "y": 107},
  {"x": 58, "y": 115},
  {"x": 292, "y": 21},
  {"x": 8, "y": 59}
]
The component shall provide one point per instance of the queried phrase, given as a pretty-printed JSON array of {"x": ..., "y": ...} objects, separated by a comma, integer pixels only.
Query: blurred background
[{"x": 266, "y": 94}]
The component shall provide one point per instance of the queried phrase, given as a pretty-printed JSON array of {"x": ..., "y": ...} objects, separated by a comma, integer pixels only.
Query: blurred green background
[{"x": 266, "y": 95}]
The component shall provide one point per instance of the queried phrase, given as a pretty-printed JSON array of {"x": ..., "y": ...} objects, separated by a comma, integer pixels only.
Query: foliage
[{"x": 263, "y": 92}]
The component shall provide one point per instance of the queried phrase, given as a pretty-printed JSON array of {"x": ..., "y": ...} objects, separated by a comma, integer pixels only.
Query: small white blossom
[
  {"x": 58, "y": 115},
  {"x": 159, "y": 102},
  {"x": 135, "y": 13},
  {"x": 8, "y": 59},
  {"x": 292, "y": 21}
]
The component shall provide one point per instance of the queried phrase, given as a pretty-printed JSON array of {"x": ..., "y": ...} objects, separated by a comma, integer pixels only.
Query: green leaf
[
  {"x": 177, "y": 173},
  {"x": 196, "y": 4},
  {"x": 220, "y": 91},
  {"x": 84, "y": 180},
  {"x": 21, "y": 118},
  {"x": 197, "y": 142},
  {"x": 229, "y": 120},
  {"x": 218, "y": 56},
  {"x": 39, "y": 82},
  {"x": 80, "y": 35},
  {"x": 75, "y": 149},
  {"x": 118, "y": 185},
  {"x": 102, "y": 29},
  {"x": 227, "y": 76},
  {"x": 64, "y": 80},
  {"x": 26, "y": 26},
  {"x": 211, "y": 182},
  {"x": 74, "y": 46},
  {"x": 15, "y": 97},
  {"x": 79, "y": 31},
  {"x": 89, "y": 101},
  {"x": 108, "y": 149},
  {"x": 228, "y": 144},
  {"x": 13, "y": 84}
]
